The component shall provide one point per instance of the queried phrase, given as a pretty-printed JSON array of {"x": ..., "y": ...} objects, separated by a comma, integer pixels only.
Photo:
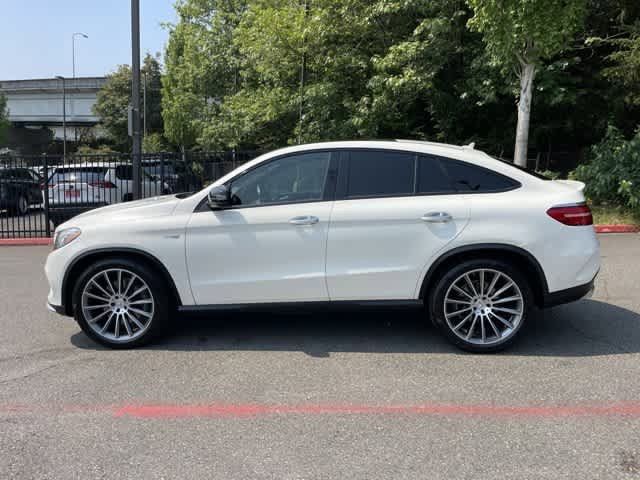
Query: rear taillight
[
  {"x": 573, "y": 215},
  {"x": 102, "y": 184}
]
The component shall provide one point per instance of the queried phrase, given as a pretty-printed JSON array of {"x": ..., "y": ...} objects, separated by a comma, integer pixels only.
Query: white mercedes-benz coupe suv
[{"x": 477, "y": 242}]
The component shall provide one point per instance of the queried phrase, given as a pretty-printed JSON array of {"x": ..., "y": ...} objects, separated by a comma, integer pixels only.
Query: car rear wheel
[
  {"x": 22, "y": 206},
  {"x": 120, "y": 303},
  {"x": 481, "y": 305}
]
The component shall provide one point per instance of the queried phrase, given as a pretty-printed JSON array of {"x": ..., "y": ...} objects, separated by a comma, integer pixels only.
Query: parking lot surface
[{"x": 357, "y": 395}]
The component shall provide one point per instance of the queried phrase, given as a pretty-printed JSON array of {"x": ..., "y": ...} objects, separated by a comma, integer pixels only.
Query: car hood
[{"x": 147, "y": 208}]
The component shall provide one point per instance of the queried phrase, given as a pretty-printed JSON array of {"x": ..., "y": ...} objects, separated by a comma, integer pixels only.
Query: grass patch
[{"x": 609, "y": 215}]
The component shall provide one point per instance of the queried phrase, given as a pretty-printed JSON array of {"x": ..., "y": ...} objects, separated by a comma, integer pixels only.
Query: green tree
[
  {"x": 114, "y": 98},
  {"x": 523, "y": 34},
  {"x": 4, "y": 123},
  {"x": 201, "y": 64}
]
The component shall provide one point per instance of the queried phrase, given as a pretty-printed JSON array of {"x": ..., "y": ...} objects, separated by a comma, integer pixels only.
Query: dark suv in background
[{"x": 19, "y": 188}]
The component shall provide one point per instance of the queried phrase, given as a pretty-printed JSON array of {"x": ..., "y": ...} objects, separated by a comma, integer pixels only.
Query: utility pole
[
  {"x": 64, "y": 117},
  {"x": 144, "y": 104},
  {"x": 73, "y": 59},
  {"x": 136, "y": 153}
]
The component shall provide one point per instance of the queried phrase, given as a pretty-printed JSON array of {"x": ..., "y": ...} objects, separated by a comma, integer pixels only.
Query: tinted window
[
  {"x": 471, "y": 178},
  {"x": 297, "y": 178},
  {"x": 378, "y": 174},
  {"x": 432, "y": 177},
  {"x": 159, "y": 170},
  {"x": 80, "y": 175},
  {"x": 124, "y": 172}
]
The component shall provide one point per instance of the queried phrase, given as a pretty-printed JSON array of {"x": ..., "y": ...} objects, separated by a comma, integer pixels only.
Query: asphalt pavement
[{"x": 347, "y": 395}]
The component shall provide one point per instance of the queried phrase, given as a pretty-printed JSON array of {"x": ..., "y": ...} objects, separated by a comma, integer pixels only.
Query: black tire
[
  {"x": 160, "y": 303},
  {"x": 21, "y": 207},
  {"x": 436, "y": 305}
]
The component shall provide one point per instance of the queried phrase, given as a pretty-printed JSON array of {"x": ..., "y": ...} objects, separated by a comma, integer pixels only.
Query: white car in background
[
  {"x": 477, "y": 243},
  {"x": 98, "y": 184}
]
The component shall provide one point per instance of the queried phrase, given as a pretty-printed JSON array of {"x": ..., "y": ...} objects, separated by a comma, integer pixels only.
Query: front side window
[
  {"x": 380, "y": 174},
  {"x": 296, "y": 178}
]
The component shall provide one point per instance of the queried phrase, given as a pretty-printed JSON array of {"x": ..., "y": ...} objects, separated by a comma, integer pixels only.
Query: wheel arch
[
  {"x": 85, "y": 259},
  {"x": 521, "y": 258}
]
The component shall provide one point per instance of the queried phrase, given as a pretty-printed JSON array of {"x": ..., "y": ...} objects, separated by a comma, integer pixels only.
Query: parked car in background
[
  {"x": 476, "y": 243},
  {"x": 161, "y": 171},
  {"x": 73, "y": 189},
  {"x": 19, "y": 189}
]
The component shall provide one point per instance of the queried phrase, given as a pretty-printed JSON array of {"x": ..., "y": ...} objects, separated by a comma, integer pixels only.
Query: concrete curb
[{"x": 23, "y": 242}]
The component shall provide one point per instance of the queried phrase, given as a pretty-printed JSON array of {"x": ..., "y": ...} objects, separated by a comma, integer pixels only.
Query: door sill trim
[{"x": 328, "y": 304}]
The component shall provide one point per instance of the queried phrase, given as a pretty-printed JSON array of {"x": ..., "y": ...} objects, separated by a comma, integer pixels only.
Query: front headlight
[{"x": 65, "y": 237}]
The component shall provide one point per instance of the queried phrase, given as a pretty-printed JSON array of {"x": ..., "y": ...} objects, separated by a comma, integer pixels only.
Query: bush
[{"x": 612, "y": 175}]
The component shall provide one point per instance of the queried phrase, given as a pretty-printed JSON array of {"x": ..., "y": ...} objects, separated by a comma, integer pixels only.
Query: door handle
[
  {"x": 304, "y": 220},
  {"x": 436, "y": 217}
]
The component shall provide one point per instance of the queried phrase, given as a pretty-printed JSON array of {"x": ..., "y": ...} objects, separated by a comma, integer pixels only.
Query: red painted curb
[
  {"x": 617, "y": 228},
  {"x": 17, "y": 242}
]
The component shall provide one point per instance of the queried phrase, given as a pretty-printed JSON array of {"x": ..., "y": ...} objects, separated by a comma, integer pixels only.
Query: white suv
[
  {"x": 477, "y": 242},
  {"x": 98, "y": 183}
]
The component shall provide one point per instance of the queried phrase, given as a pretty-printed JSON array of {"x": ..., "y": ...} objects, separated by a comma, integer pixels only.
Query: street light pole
[
  {"x": 135, "y": 97},
  {"x": 64, "y": 116},
  {"x": 73, "y": 48},
  {"x": 73, "y": 59}
]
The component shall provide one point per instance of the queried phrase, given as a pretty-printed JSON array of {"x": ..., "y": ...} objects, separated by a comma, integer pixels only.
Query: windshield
[{"x": 157, "y": 170}]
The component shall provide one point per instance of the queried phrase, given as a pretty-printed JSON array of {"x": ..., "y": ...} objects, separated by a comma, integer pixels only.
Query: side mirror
[{"x": 219, "y": 197}]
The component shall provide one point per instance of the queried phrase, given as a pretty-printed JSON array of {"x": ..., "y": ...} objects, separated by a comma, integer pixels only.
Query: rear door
[{"x": 394, "y": 211}]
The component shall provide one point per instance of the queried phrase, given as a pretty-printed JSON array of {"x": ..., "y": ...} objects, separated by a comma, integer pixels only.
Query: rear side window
[
  {"x": 380, "y": 174},
  {"x": 432, "y": 177},
  {"x": 466, "y": 177}
]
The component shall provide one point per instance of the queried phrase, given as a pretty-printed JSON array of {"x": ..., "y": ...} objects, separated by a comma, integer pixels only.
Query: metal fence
[{"x": 39, "y": 192}]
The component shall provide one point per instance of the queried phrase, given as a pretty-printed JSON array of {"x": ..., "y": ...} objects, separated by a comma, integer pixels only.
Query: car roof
[
  {"x": 78, "y": 166},
  {"x": 466, "y": 153}
]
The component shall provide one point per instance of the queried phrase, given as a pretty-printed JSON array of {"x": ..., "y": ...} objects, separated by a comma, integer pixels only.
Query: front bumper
[{"x": 59, "y": 309}]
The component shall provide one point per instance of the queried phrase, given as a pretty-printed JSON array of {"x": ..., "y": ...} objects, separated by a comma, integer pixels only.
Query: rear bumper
[{"x": 569, "y": 295}]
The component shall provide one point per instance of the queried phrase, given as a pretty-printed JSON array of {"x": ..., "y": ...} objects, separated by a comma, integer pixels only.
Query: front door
[{"x": 270, "y": 245}]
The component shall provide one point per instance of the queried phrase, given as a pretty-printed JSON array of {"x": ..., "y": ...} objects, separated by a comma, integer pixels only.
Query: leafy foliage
[
  {"x": 526, "y": 30},
  {"x": 114, "y": 98},
  {"x": 266, "y": 73},
  {"x": 612, "y": 174}
]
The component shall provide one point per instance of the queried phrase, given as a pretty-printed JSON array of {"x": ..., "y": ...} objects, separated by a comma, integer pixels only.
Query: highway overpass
[{"x": 38, "y": 103}]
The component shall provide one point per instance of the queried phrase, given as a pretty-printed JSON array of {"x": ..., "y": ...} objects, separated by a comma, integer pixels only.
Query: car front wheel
[
  {"x": 120, "y": 303},
  {"x": 481, "y": 305}
]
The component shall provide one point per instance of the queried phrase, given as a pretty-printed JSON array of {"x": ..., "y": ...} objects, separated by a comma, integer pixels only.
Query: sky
[{"x": 35, "y": 35}]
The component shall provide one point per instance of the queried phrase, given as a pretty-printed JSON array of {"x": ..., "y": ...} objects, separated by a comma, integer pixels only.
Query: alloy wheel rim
[
  {"x": 118, "y": 305},
  {"x": 484, "y": 306}
]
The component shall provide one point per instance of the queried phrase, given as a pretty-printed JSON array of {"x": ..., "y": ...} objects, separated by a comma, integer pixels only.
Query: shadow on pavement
[{"x": 585, "y": 328}]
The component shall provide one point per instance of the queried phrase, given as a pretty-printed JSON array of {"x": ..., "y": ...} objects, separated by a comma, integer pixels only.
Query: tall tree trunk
[{"x": 527, "y": 74}]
